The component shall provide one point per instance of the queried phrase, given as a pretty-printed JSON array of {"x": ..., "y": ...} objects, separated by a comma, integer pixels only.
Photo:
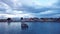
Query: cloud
[
  {"x": 29, "y": 8},
  {"x": 57, "y": 3},
  {"x": 57, "y": 15},
  {"x": 15, "y": 15}
]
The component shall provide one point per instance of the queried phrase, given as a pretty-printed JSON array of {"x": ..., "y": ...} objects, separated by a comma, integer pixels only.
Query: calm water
[{"x": 34, "y": 28}]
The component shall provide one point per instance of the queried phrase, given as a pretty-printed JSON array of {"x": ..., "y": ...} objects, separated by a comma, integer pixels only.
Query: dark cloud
[
  {"x": 34, "y": 10},
  {"x": 2, "y": 9},
  {"x": 8, "y": 2}
]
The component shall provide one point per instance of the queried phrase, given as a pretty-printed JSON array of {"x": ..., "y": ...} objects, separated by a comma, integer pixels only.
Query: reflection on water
[
  {"x": 34, "y": 28},
  {"x": 24, "y": 26},
  {"x": 8, "y": 23}
]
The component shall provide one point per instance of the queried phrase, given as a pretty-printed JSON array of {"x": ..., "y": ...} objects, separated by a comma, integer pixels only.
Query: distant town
[{"x": 31, "y": 20}]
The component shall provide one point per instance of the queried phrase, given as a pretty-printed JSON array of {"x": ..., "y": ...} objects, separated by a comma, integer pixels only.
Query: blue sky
[{"x": 29, "y": 8}]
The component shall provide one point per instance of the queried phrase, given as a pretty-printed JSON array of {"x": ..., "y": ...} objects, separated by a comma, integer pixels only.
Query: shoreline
[{"x": 31, "y": 21}]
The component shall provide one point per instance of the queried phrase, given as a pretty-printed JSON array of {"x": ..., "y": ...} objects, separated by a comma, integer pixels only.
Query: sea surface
[{"x": 33, "y": 28}]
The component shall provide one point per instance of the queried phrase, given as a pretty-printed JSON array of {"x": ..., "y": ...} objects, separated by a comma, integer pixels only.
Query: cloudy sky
[{"x": 29, "y": 8}]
